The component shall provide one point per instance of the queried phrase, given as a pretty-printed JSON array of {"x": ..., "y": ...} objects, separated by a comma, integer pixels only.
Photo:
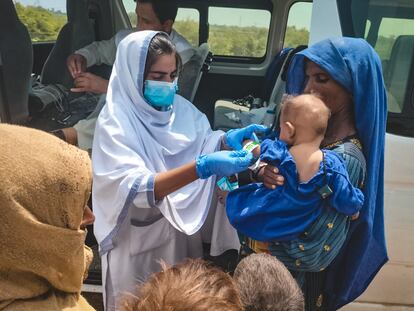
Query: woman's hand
[
  {"x": 271, "y": 177},
  {"x": 223, "y": 163},
  {"x": 234, "y": 138}
]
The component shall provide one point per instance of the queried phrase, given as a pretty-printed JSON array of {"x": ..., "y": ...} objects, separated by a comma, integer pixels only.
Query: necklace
[{"x": 351, "y": 138}]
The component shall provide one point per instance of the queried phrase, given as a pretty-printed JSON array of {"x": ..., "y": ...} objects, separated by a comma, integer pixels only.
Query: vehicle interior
[
  {"x": 236, "y": 76},
  {"x": 387, "y": 26},
  {"x": 237, "y": 67}
]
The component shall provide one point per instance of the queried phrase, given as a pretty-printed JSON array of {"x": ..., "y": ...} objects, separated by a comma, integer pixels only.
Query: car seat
[
  {"x": 75, "y": 34},
  {"x": 397, "y": 73},
  {"x": 192, "y": 72},
  {"x": 16, "y": 62}
]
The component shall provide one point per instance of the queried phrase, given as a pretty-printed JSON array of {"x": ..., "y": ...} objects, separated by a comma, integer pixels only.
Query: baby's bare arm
[{"x": 252, "y": 146}]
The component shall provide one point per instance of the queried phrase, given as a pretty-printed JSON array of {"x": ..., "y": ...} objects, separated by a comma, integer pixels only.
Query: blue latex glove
[
  {"x": 234, "y": 138},
  {"x": 223, "y": 163}
]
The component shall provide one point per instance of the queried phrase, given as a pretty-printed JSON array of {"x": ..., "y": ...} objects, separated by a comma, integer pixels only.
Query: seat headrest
[
  {"x": 402, "y": 43},
  {"x": 77, "y": 10},
  {"x": 398, "y": 69},
  {"x": 8, "y": 13}
]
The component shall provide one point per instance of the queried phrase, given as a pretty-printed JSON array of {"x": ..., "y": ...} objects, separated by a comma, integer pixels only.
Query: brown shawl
[{"x": 44, "y": 187}]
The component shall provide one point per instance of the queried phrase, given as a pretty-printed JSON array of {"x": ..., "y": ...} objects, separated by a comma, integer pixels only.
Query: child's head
[
  {"x": 303, "y": 118},
  {"x": 266, "y": 285},
  {"x": 189, "y": 286}
]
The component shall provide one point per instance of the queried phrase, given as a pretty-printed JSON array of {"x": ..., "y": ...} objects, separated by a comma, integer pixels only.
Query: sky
[{"x": 57, "y": 5}]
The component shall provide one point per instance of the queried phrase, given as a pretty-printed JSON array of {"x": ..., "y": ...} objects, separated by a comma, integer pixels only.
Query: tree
[{"x": 42, "y": 24}]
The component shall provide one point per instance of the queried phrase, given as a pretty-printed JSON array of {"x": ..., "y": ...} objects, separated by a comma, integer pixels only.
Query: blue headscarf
[{"x": 355, "y": 65}]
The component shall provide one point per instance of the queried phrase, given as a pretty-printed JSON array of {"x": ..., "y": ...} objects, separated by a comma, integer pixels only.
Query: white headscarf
[{"x": 133, "y": 141}]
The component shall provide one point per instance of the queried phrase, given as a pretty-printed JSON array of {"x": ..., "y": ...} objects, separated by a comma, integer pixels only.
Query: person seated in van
[
  {"x": 265, "y": 284},
  {"x": 314, "y": 178},
  {"x": 45, "y": 186},
  {"x": 158, "y": 15},
  {"x": 189, "y": 285}
]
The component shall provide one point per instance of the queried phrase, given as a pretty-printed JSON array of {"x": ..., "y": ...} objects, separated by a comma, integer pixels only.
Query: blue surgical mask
[{"x": 160, "y": 93}]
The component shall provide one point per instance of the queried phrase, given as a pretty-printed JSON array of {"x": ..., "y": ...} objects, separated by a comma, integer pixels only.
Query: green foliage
[
  {"x": 42, "y": 24},
  {"x": 384, "y": 46},
  {"x": 238, "y": 41},
  {"x": 295, "y": 37},
  {"x": 189, "y": 29}
]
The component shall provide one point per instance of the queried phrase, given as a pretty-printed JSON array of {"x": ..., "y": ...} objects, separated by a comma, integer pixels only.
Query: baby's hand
[{"x": 252, "y": 146}]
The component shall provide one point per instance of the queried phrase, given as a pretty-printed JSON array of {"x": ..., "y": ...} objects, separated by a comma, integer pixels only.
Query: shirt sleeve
[
  {"x": 99, "y": 52},
  {"x": 346, "y": 198},
  {"x": 146, "y": 198},
  {"x": 273, "y": 151}
]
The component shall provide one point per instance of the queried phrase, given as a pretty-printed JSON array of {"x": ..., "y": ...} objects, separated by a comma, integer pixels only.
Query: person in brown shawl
[{"x": 44, "y": 188}]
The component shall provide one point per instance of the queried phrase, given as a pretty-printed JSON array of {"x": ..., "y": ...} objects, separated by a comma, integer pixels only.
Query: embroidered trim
[{"x": 352, "y": 138}]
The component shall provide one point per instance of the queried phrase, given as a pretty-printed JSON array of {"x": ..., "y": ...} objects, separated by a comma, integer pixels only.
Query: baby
[{"x": 314, "y": 178}]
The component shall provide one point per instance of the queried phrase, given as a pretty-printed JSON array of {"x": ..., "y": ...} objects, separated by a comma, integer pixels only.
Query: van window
[
  {"x": 389, "y": 27},
  {"x": 43, "y": 18},
  {"x": 238, "y": 32},
  {"x": 298, "y": 26},
  {"x": 129, "y": 6},
  {"x": 187, "y": 23},
  {"x": 395, "y": 45}
]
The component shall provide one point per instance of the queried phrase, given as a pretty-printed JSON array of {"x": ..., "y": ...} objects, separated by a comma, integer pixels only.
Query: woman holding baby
[{"x": 337, "y": 256}]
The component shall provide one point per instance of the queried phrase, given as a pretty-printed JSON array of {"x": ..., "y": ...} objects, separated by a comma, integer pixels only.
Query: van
[{"x": 243, "y": 36}]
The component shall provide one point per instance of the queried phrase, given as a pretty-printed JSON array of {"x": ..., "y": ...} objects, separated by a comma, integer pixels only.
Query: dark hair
[
  {"x": 265, "y": 284},
  {"x": 164, "y": 9},
  {"x": 161, "y": 45},
  {"x": 192, "y": 285}
]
